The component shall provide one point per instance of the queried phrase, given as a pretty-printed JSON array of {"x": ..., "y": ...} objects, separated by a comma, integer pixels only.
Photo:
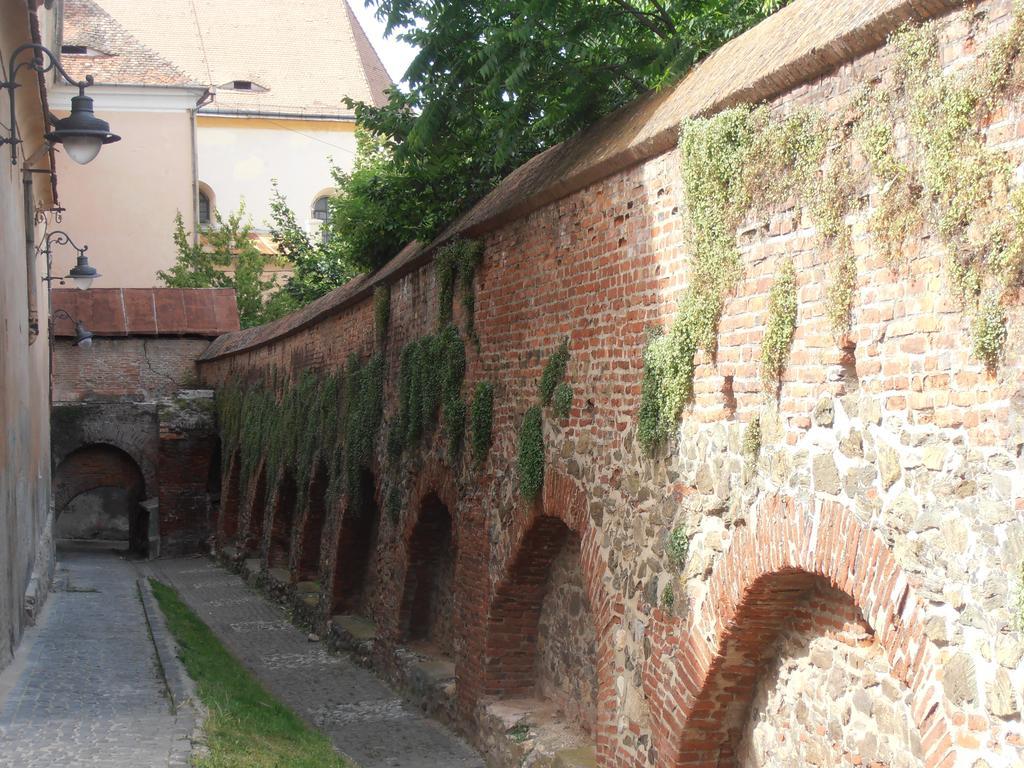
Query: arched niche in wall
[{"x": 97, "y": 492}]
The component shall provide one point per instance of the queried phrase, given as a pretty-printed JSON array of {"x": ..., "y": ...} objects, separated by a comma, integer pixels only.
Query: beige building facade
[
  {"x": 26, "y": 551},
  {"x": 219, "y": 100}
]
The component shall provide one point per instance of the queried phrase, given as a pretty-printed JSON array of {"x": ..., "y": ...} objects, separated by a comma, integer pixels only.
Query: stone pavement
[
  {"x": 364, "y": 718},
  {"x": 86, "y": 688}
]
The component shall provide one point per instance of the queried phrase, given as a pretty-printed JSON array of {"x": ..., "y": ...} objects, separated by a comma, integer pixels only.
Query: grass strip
[{"x": 246, "y": 727}]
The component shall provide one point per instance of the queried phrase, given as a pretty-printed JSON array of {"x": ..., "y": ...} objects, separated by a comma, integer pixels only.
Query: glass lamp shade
[
  {"x": 82, "y": 274},
  {"x": 81, "y": 132},
  {"x": 82, "y": 149},
  {"x": 83, "y": 336}
]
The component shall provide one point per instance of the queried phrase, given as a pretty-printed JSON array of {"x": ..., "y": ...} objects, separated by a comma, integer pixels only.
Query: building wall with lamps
[
  {"x": 26, "y": 555},
  {"x": 122, "y": 205}
]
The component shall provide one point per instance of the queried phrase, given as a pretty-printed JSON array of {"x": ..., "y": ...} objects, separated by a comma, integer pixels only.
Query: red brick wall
[
  {"x": 923, "y": 440},
  {"x": 134, "y": 369}
]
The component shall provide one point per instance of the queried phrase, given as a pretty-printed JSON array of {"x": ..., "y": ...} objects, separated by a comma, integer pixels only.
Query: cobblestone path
[
  {"x": 364, "y": 718},
  {"x": 85, "y": 688}
]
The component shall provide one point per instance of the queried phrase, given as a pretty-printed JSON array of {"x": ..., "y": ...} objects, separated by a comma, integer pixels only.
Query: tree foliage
[
  {"x": 227, "y": 259},
  {"x": 497, "y": 81}
]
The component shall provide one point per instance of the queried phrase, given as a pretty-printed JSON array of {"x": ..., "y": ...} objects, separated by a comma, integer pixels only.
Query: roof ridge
[{"x": 361, "y": 42}]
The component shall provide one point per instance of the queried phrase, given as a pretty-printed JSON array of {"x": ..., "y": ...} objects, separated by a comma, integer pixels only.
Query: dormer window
[
  {"x": 80, "y": 50},
  {"x": 243, "y": 85}
]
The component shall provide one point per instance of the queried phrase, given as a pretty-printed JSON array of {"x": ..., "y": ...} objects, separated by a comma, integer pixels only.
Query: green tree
[
  {"x": 228, "y": 259},
  {"x": 319, "y": 265},
  {"x": 496, "y": 82}
]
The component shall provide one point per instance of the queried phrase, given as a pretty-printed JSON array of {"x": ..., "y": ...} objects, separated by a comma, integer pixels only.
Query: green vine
[
  {"x": 678, "y": 546},
  {"x": 381, "y": 313},
  {"x": 481, "y": 421},
  {"x": 457, "y": 262},
  {"x": 530, "y": 464},
  {"x": 781, "y": 323},
  {"x": 668, "y": 597},
  {"x": 561, "y": 401},
  {"x": 554, "y": 372},
  {"x": 751, "y": 448},
  {"x": 431, "y": 372}
]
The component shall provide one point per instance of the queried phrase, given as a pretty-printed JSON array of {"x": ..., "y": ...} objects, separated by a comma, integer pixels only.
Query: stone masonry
[{"x": 850, "y": 594}]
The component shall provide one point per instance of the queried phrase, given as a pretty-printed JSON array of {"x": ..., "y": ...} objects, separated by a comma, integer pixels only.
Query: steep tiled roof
[
  {"x": 121, "y": 58},
  {"x": 307, "y": 54}
]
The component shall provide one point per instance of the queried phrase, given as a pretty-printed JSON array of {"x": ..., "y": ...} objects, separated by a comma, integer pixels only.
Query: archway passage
[
  {"x": 795, "y": 639},
  {"x": 230, "y": 502},
  {"x": 279, "y": 549},
  {"x": 97, "y": 493},
  {"x": 428, "y": 600},
  {"x": 541, "y": 636},
  {"x": 312, "y": 530},
  {"x": 827, "y": 696},
  {"x": 357, "y": 544},
  {"x": 253, "y": 540}
]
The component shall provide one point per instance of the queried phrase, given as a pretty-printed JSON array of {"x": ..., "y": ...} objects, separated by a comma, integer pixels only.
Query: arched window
[
  {"x": 204, "y": 208},
  {"x": 321, "y": 212}
]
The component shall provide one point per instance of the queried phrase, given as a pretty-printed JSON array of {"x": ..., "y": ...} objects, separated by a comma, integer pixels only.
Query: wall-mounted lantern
[
  {"x": 83, "y": 336},
  {"x": 81, "y": 133},
  {"x": 82, "y": 274}
]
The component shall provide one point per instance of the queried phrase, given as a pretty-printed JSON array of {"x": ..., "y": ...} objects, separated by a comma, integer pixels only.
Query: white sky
[{"x": 395, "y": 54}]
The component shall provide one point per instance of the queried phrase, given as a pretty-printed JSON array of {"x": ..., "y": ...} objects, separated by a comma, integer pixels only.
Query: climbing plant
[
  {"x": 381, "y": 313},
  {"x": 781, "y": 323},
  {"x": 678, "y": 546},
  {"x": 481, "y": 421},
  {"x": 530, "y": 462},
  {"x": 561, "y": 401},
  {"x": 431, "y": 372},
  {"x": 456, "y": 264},
  {"x": 945, "y": 176},
  {"x": 554, "y": 372}
]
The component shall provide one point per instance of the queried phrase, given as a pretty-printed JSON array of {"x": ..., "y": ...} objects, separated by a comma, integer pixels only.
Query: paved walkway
[
  {"x": 85, "y": 687},
  {"x": 363, "y": 717}
]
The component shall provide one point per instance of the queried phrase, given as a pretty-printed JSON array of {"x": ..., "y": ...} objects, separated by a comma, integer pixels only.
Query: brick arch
[
  {"x": 701, "y": 677},
  {"x": 278, "y": 535},
  {"x": 430, "y": 579},
  {"x": 311, "y": 525},
  {"x": 510, "y": 635},
  {"x": 253, "y": 514},
  {"x": 92, "y": 466},
  {"x": 137, "y": 444},
  {"x": 230, "y": 502},
  {"x": 354, "y": 549}
]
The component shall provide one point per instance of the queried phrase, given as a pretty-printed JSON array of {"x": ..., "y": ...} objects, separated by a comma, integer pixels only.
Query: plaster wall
[
  {"x": 122, "y": 204},
  {"x": 26, "y": 554},
  {"x": 240, "y": 156}
]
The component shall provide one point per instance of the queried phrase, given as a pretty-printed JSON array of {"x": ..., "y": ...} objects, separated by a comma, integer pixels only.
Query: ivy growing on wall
[
  {"x": 530, "y": 464},
  {"x": 292, "y": 425},
  {"x": 554, "y": 372},
  {"x": 746, "y": 159},
  {"x": 456, "y": 263},
  {"x": 481, "y": 421},
  {"x": 561, "y": 401},
  {"x": 678, "y": 546},
  {"x": 431, "y": 373},
  {"x": 781, "y": 323},
  {"x": 381, "y": 313}
]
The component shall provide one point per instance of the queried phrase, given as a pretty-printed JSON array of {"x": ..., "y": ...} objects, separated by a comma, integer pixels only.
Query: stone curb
[{"x": 181, "y": 689}]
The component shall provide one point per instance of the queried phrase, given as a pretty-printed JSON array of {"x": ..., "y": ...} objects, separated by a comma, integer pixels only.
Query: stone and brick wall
[
  {"x": 874, "y": 545},
  {"x": 128, "y": 405}
]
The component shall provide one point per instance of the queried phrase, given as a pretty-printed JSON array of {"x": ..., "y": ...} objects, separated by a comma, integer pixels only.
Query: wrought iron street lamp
[
  {"x": 83, "y": 336},
  {"x": 81, "y": 132},
  {"x": 82, "y": 274}
]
